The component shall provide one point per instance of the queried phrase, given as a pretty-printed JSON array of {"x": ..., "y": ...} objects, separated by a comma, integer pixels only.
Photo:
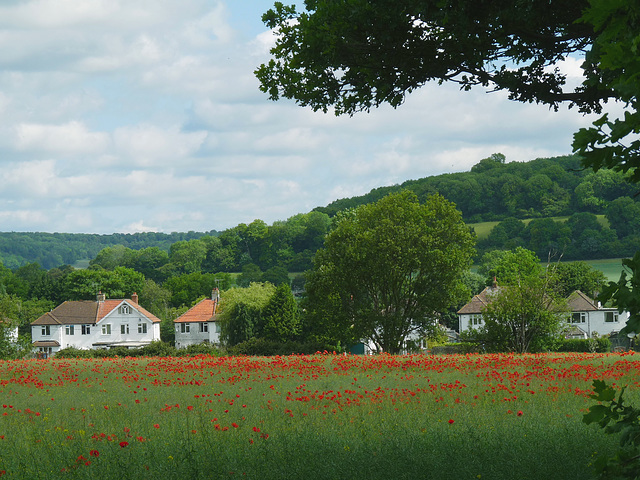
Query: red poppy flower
[
  {"x": 450, "y": 421},
  {"x": 124, "y": 444},
  {"x": 94, "y": 453},
  {"x": 520, "y": 413}
]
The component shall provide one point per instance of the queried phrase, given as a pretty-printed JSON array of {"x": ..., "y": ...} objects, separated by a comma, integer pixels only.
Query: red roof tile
[{"x": 203, "y": 311}]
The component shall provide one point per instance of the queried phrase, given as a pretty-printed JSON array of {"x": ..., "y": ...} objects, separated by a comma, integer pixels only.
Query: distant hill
[
  {"x": 54, "y": 249},
  {"x": 494, "y": 189}
]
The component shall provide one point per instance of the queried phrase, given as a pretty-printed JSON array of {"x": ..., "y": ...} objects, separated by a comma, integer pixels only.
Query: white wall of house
[
  {"x": 125, "y": 324},
  {"x": 47, "y": 333},
  {"x": 600, "y": 322},
  {"x": 467, "y": 321},
  {"x": 196, "y": 332}
]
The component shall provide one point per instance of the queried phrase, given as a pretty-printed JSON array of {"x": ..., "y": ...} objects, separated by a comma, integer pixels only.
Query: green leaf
[{"x": 596, "y": 414}]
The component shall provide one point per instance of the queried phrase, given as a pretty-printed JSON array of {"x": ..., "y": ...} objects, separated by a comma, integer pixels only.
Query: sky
[{"x": 124, "y": 116}]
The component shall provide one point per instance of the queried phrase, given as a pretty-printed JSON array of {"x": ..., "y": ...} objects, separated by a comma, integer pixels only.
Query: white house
[
  {"x": 586, "y": 319},
  {"x": 198, "y": 324},
  {"x": 95, "y": 324},
  {"x": 590, "y": 318}
]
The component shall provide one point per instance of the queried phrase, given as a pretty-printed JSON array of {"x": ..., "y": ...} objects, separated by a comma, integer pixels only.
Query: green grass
[
  {"x": 611, "y": 267},
  {"x": 483, "y": 229},
  {"x": 320, "y": 417}
]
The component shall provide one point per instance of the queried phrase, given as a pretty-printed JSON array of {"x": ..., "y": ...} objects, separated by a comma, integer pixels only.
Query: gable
[
  {"x": 479, "y": 302},
  {"x": 579, "y": 302},
  {"x": 111, "y": 307}
]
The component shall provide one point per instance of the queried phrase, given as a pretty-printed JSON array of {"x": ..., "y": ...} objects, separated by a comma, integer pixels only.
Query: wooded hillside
[{"x": 494, "y": 190}]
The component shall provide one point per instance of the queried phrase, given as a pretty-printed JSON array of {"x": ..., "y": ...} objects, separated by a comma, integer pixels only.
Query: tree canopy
[
  {"x": 523, "y": 317},
  {"x": 388, "y": 267},
  {"x": 352, "y": 55}
]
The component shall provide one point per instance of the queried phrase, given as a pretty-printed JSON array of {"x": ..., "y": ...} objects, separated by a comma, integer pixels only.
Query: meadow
[{"x": 319, "y": 417}]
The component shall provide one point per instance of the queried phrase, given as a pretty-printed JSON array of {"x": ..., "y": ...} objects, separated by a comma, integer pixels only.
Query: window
[
  {"x": 475, "y": 320},
  {"x": 185, "y": 328},
  {"x": 86, "y": 329},
  {"x": 578, "y": 317},
  {"x": 204, "y": 327},
  {"x": 46, "y": 330},
  {"x": 69, "y": 329},
  {"x": 124, "y": 329},
  {"x": 217, "y": 328},
  {"x": 125, "y": 309},
  {"x": 106, "y": 329},
  {"x": 142, "y": 328},
  {"x": 610, "y": 317}
]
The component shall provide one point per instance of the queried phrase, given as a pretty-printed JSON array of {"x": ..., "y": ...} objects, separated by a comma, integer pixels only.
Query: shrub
[
  {"x": 600, "y": 345},
  {"x": 198, "y": 349},
  {"x": 157, "y": 349},
  {"x": 264, "y": 347},
  {"x": 73, "y": 352}
]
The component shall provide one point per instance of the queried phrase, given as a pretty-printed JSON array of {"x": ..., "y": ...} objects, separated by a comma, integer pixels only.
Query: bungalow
[
  {"x": 198, "y": 324},
  {"x": 586, "y": 319},
  {"x": 89, "y": 324}
]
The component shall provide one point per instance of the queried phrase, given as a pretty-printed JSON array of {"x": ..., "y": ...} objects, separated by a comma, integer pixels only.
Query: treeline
[
  {"x": 495, "y": 190},
  {"x": 54, "y": 249}
]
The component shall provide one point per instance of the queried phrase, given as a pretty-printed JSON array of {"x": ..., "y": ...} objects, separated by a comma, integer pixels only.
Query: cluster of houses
[{"x": 107, "y": 323}]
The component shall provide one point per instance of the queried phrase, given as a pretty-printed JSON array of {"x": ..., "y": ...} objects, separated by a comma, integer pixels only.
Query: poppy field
[{"x": 320, "y": 416}]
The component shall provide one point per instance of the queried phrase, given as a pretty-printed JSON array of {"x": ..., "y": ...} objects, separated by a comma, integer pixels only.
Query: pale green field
[{"x": 483, "y": 229}]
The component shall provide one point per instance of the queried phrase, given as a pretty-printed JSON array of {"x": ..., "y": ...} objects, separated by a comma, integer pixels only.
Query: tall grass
[{"x": 323, "y": 416}]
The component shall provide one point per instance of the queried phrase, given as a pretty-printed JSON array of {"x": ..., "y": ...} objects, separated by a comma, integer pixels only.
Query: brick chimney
[
  {"x": 100, "y": 297},
  {"x": 134, "y": 298},
  {"x": 215, "y": 294}
]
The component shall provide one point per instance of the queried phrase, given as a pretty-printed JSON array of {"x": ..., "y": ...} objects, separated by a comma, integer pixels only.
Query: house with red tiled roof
[
  {"x": 89, "y": 324},
  {"x": 587, "y": 317},
  {"x": 198, "y": 324}
]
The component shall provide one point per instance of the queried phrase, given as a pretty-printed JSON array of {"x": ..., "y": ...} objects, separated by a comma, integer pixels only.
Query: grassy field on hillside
[
  {"x": 483, "y": 229},
  {"x": 611, "y": 267}
]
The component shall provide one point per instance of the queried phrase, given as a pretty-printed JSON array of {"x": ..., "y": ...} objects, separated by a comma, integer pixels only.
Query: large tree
[
  {"x": 526, "y": 316},
  {"x": 352, "y": 55},
  {"x": 387, "y": 268}
]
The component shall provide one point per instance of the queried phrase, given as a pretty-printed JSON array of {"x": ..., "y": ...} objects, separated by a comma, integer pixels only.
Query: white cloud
[
  {"x": 70, "y": 138},
  {"x": 146, "y": 115},
  {"x": 148, "y": 145}
]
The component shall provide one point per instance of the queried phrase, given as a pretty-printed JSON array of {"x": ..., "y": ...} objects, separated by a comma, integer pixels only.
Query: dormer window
[{"x": 125, "y": 309}]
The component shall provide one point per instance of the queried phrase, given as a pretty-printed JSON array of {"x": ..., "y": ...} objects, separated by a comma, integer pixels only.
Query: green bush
[
  {"x": 600, "y": 345},
  {"x": 154, "y": 349},
  {"x": 198, "y": 349},
  {"x": 72, "y": 352},
  {"x": 264, "y": 347},
  {"x": 157, "y": 349}
]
